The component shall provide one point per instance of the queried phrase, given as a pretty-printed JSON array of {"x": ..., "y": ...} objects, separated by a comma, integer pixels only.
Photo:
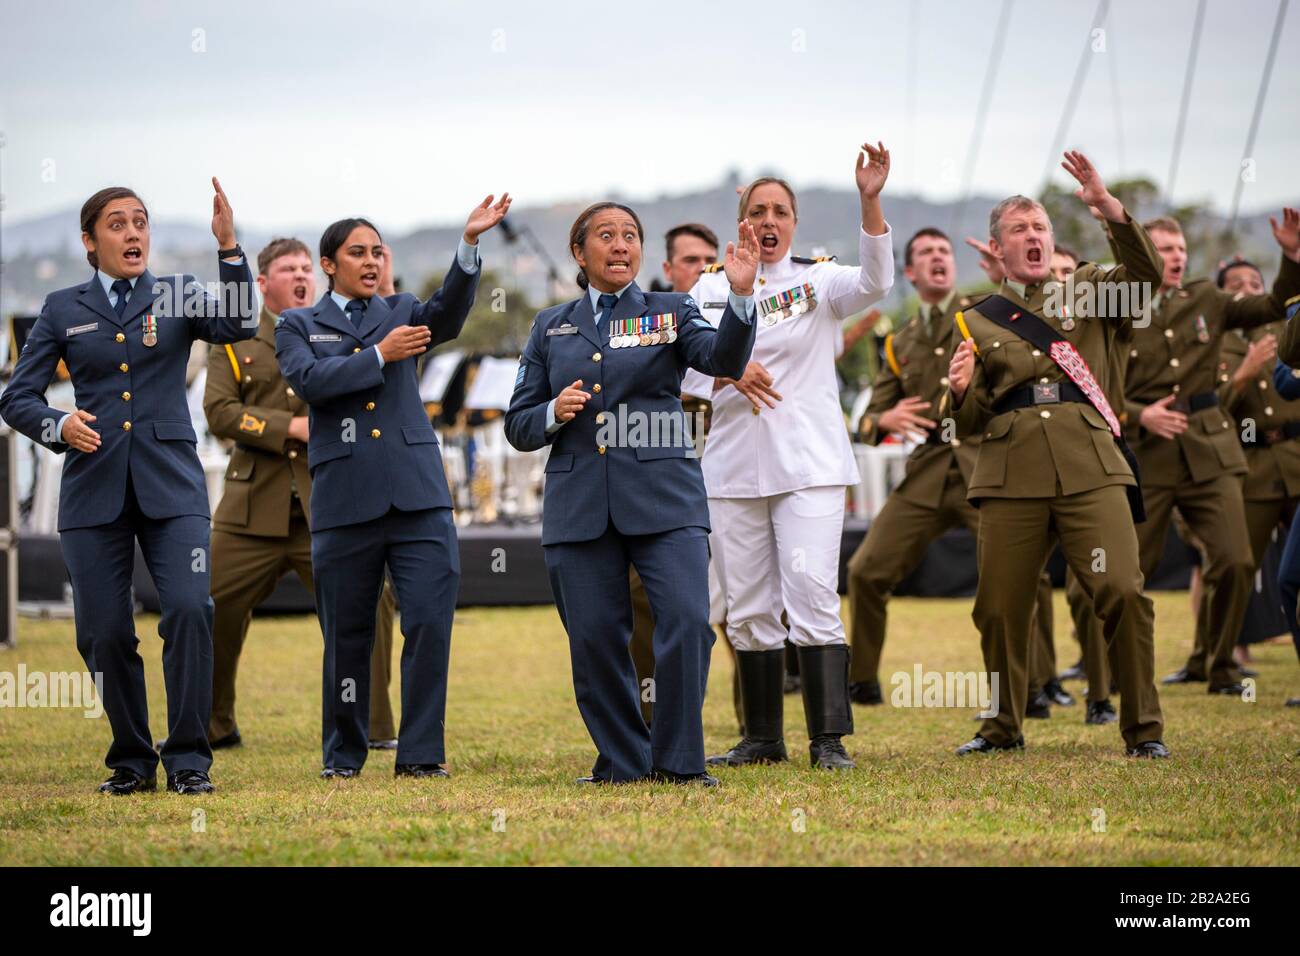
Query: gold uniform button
[
  {"x": 119, "y": 337},
  {"x": 595, "y": 356},
  {"x": 375, "y": 433},
  {"x": 944, "y": 381},
  {"x": 939, "y": 350},
  {"x": 1268, "y": 409},
  {"x": 1035, "y": 353},
  {"x": 1045, "y": 414},
  {"x": 126, "y": 396},
  {"x": 293, "y": 453},
  {"x": 1043, "y": 380},
  {"x": 1169, "y": 333},
  {"x": 123, "y": 367},
  {"x": 126, "y": 426},
  {"x": 754, "y": 409},
  {"x": 601, "y": 449},
  {"x": 1225, "y": 424},
  {"x": 1133, "y": 353},
  {"x": 600, "y": 419},
  {"x": 356, "y": 350},
  {"x": 1173, "y": 362},
  {"x": 956, "y": 443},
  {"x": 596, "y": 387},
  {"x": 370, "y": 406},
  {"x": 1176, "y": 388},
  {"x": 289, "y": 391},
  {"x": 1263, "y": 384}
]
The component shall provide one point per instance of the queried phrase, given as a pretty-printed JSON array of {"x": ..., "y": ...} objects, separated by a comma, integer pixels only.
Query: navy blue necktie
[
  {"x": 356, "y": 310},
  {"x": 123, "y": 289},
  {"x": 607, "y": 301}
]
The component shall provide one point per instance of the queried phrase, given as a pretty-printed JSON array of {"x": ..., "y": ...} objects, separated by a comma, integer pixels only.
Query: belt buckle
[{"x": 1047, "y": 393}]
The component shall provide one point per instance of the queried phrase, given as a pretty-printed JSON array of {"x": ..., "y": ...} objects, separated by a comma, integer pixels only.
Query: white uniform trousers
[{"x": 780, "y": 553}]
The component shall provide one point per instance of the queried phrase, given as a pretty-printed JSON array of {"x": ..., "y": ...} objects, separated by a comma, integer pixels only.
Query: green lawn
[{"x": 516, "y": 743}]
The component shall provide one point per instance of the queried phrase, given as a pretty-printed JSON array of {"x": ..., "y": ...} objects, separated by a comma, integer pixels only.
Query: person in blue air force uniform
[
  {"x": 132, "y": 471},
  {"x": 600, "y": 381},
  {"x": 379, "y": 497}
]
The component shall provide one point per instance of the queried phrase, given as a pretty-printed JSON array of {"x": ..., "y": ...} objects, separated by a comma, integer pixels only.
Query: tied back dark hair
[
  {"x": 94, "y": 207},
  {"x": 335, "y": 234},
  {"x": 578, "y": 233}
]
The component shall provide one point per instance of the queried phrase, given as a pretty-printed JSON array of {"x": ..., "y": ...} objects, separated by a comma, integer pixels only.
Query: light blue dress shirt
[
  {"x": 742, "y": 305},
  {"x": 466, "y": 258}
]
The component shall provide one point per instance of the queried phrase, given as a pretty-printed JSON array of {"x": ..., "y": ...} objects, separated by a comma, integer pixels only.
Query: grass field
[{"x": 516, "y": 744}]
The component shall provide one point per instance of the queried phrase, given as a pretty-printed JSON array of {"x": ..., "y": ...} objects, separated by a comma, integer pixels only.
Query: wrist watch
[{"x": 230, "y": 253}]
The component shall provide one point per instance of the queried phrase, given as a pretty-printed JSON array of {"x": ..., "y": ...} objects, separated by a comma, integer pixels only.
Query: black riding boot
[
  {"x": 825, "y": 673},
  {"x": 762, "y": 674}
]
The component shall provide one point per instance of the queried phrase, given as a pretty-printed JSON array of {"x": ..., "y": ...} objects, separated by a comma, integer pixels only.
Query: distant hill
[{"x": 45, "y": 253}]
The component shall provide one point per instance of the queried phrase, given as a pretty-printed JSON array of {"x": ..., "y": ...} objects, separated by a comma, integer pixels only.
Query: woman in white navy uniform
[{"x": 777, "y": 464}]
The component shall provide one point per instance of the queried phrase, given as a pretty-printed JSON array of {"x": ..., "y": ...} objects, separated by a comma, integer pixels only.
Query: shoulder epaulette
[
  {"x": 809, "y": 260},
  {"x": 716, "y": 267}
]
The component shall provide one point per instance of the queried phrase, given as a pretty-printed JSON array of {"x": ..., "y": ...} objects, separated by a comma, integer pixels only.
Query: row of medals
[{"x": 645, "y": 338}]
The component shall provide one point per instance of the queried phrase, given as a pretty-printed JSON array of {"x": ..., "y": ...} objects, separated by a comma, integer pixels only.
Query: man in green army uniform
[
  {"x": 1188, "y": 453},
  {"x": 1049, "y": 463},
  {"x": 906, "y": 400},
  {"x": 1267, "y": 424},
  {"x": 260, "y": 529}
]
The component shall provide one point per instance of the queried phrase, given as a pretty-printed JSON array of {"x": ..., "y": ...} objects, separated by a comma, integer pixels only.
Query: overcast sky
[{"x": 411, "y": 112}]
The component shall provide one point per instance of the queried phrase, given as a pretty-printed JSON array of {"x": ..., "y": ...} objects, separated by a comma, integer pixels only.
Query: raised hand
[
  {"x": 486, "y": 215},
  {"x": 223, "y": 218},
  {"x": 78, "y": 433},
  {"x": 404, "y": 341},
  {"x": 1159, "y": 419},
  {"x": 872, "y": 169},
  {"x": 387, "y": 286},
  {"x": 961, "y": 369},
  {"x": 741, "y": 260},
  {"x": 571, "y": 401},
  {"x": 1092, "y": 188},
  {"x": 1288, "y": 233},
  {"x": 905, "y": 418},
  {"x": 991, "y": 265}
]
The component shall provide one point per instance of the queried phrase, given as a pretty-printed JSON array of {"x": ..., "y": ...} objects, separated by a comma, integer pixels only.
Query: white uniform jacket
[{"x": 803, "y": 442}]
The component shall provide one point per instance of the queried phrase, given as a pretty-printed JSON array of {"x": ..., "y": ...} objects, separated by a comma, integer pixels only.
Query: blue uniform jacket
[
  {"x": 372, "y": 445},
  {"x": 135, "y": 391},
  {"x": 622, "y": 457}
]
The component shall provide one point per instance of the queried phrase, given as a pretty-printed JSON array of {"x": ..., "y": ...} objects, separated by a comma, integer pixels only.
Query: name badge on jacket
[
  {"x": 563, "y": 330},
  {"x": 334, "y": 337},
  {"x": 78, "y": 329}
]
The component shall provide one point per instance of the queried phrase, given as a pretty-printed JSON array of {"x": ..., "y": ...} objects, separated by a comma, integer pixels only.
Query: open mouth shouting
[
  {"x": 769, "y": 240},
  {"x": 1034, "y": 255},
  {"x": 369, "y": 281},
  {"x": 133, "y": 255},
  {"x": 621, "y": 268},
  {"x": 299, "y": 294}
]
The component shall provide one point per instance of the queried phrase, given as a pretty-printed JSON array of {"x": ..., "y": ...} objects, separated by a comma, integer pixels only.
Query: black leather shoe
[
  {"x": 125, "y": 782},
  {"x": 866, "y": 692},
  {"x": 419, "y": 770},
  {"x": 593, "y": 779},
  {"x": 668, "y": 776},
  {"x": 750, "y": 751},
  {"x": 1148, "y": 748},
  {"x": 827, "y": 753},
  {"x": 189, "y": 782},
  {"x": 1100, "y": 712},
  {"x": 340, "y": 773},
  {"x": 386, "y": 744},
  {"x": 1293, "y": 702},
  {"x": 1229, "y": 690},
  {"x": 1181, "y": 676},
  {"x": 978, "y": 745},
  {"x": 1074, "y": 672},
  {"x": 1039, "y": 707},
  {"x": 1057, "y": 694},
  {"x": 231, "y": 739}
]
